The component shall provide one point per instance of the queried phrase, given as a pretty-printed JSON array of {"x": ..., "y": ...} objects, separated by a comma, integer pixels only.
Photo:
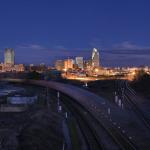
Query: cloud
[
  {"x": 31, "y": 46},
  {"x": 59, "y": 47},
  {"x": 110, "y": 59},
  {"x": 123, "y": 54},
  {"x": 126, "y": 45},
  {"x": 35, "y": 53},
  {"x": 126, "y": 54}
]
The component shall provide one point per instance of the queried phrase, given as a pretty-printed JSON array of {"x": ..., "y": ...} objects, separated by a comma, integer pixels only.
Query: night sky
[{"x": 45, "y": 30}]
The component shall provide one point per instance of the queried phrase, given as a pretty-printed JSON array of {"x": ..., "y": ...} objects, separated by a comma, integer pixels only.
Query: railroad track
[
  {"x": 90, "y": 137},
  {"x": 118, "y": 137},
  {"x": 128, "y": 92}
]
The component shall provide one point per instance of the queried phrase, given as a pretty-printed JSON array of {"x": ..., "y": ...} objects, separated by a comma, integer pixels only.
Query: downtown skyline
[
  {"x": 115, "y": 58},
  {"x": 50, "y": 30}
]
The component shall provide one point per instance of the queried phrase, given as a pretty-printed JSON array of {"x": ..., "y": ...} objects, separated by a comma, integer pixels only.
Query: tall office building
[
  {"x": 68, "y": 64},
  {"x": 79, "y": 62},
  {"x": 9, "y": 56},
  {"x": 95, "y": 58}
]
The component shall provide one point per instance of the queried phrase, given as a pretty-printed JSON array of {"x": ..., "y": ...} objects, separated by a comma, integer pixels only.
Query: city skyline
[
  {"x": 108, "y": 58},
  {"x": 118, "y": 29}
]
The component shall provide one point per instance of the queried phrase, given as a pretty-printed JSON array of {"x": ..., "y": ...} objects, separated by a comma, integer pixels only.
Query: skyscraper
[
  {"x": 79, "y": 62},
  {"x": 9, "y": 56},
  {"x": 68, "y": 64},
  {"x": 95, "y": 58}
]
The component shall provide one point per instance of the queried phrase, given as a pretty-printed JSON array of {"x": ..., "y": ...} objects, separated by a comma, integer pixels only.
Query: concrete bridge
[
  {"x": 80, "y": 95},
  {"x": 95, "y": 105}
]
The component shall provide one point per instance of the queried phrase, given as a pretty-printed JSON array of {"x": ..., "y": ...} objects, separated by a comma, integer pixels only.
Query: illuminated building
[
  {"x": 42, "y": 67},
  {"x": 38, "y": 68},
  {"x": 9, "y": 56},
  {"x": 88, "y": 64},
  {"x": 95, "y": 58},
  {"x": 59, "y": 64},
  {"x": 68, "y": 64},
  {"x": 12, "y": 68},
  {"x": 75, "y": 66},
  {"x": 19, "y": 68},
  {"x": 79, "y": 62}
]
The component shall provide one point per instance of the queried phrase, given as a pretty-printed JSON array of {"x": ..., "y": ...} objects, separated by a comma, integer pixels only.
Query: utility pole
[
  {"x": 47, "y": 97},
  {"x": 59, "y": 107}
]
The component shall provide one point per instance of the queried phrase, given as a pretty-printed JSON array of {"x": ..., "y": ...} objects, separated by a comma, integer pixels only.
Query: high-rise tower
[
  {"x": 9, "y": 56},
  {"x": 79, "y": 62},
  {"x": 95, "y": 58},
  {"x": 68, "y": 64}
]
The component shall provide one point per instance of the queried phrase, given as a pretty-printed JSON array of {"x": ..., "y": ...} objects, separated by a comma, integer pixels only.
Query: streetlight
[{"x": 96, "y": 70}]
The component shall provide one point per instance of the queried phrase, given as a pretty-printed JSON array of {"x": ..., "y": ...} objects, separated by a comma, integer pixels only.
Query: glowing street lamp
[
  {"x": 65, "y": 69},
  {"x": 96, "y": 70}
]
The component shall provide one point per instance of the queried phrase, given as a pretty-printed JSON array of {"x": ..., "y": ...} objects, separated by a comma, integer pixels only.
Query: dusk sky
[{"x": 45, "y": 30}]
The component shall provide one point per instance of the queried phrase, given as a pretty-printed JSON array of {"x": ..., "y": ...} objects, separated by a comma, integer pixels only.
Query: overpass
[
  {"x": 76, "y": 93},
  {"x": 92, "y": 103}
]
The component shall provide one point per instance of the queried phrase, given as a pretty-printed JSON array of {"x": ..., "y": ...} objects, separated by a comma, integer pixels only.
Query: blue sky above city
[{"x": 46, "y": 30}]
